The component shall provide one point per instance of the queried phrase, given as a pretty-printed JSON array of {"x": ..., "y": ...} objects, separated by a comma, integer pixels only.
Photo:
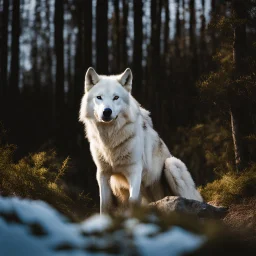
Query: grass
[{"x": 231, "y": 187}]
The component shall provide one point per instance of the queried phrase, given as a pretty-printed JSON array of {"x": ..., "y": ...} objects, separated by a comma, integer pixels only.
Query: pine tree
[{"x": 231, "y": 87}]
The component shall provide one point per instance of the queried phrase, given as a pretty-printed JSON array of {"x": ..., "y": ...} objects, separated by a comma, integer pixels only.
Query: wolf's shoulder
[{"x": 146, "y": 116}]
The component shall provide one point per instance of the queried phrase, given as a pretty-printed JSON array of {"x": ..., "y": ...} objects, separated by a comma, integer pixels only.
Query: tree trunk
[
  {"x": 192, "y": 37},
  {"x": 178, "y": 23},
  {"x": 192, "y": 23},
  {"x": 203, "y": 45},
  {"x": 153, "y": 7},
  {"x": 116, "y": 37},
  {"x": 238, "y": 112},
  {"x": 157, "y": 31},
  {"x": 240, "y": 46},
  {"x": 237, "y": 139},
  {"x": 212, "y": 30},
  {"x": 203, "y": 17},
  {"x": 83, "y": 57},
  {"x": 14, "y": 70},
  {"x": 137, "y": 46},
  {"x": 166, "y": 27},
  {"x": 124, "y": 35},
  {"x": 4, "y": 50},
  {"x": 36, "y": 68},
  {"x": 87, "y": 18},
  {"x": 177, "y": 30},
  {"x": 69, "y": 65},
  {"x": 59, "y": 51},
  {"x": 102, "y": 36},
  {"x": 213, "y": 5},
  {"x": 155, "y": 60},
  {"x": 48, "y": 60},
  {"x": 78, "y": 89},
  {"x": 156, "y": 8}
]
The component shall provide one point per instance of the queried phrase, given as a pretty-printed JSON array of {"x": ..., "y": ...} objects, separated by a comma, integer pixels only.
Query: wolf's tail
[{"x": 180, "y": 180}]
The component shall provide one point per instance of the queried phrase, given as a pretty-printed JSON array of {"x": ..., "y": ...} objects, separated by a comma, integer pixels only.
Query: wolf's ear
[
  {"x": 125, "y": 79},
  {"x": 91, "y": 78}
]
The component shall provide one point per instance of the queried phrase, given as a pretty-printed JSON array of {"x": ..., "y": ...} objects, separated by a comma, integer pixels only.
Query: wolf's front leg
[
  {"x": 134, "y": 179},
  {"x": 105, "y": 191}
]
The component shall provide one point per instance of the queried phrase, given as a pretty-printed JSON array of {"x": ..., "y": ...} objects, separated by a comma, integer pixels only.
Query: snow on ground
[
  {"x": 96, "y": 223},
  {"x": 34, "y": 228},
  {"x": 175, "y": 241}
]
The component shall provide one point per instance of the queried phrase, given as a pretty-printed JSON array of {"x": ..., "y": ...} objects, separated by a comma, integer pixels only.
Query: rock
[{"x": 189, "y": 206}]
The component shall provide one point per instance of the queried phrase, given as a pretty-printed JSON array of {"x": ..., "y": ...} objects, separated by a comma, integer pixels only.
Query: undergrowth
[
  {"x": 231, "y": 187},
  {"x": 207, "y": 150},
  {"x": 38, "y": 176}
]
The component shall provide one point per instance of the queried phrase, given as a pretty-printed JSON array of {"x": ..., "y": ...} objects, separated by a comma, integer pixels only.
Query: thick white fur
[
  {"x": 129, "y": 155},
  {"x": 180, "y": 179}
]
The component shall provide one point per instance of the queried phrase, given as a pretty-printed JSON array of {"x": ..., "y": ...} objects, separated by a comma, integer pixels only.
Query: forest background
[{"x": 193, "y": 63}]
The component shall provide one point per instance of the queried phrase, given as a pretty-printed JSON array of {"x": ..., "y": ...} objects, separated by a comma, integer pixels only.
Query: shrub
[
  {"x": 38, "y": 176},
  {"x": 231, "y": 187}
]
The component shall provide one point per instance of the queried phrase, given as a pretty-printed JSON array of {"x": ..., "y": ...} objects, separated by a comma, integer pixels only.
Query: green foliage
[
  {"x": 37, "y": 176},
  {"x": 221, "y": 88},
  {"x": 216, "y": 87},
  {"x": 226, "y": 24},
  {"x": 231, "y": 187},
  {"x": 224, "y": 85}
]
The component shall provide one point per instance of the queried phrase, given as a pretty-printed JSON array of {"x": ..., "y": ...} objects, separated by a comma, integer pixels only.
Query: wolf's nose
[{"x": 107, "y": 112}]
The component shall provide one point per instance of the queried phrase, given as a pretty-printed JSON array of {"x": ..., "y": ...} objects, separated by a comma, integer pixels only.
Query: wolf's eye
[
  {"x": 99, "y": 98},
  {"x": 116, "y": 98}
]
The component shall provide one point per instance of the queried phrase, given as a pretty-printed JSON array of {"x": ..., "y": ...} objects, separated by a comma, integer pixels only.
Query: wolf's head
[{"x": 105, "y": 96}]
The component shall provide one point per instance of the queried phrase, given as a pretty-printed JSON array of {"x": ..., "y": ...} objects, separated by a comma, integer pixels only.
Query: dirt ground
[{"x": 242, "y": 217}]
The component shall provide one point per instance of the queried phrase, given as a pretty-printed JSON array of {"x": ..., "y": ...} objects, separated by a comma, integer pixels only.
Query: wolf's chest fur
[{"x": 114, "y": 143}]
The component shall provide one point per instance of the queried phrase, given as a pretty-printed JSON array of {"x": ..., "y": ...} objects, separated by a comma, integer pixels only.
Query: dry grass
[
  {"x": 238, "y": 192},
  {"x": 231, "y": 187},
  {"x": 39, "y": 176}
]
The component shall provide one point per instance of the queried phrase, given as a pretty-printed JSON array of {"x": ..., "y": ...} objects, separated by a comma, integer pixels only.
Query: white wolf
[{"x": 132, "y": 161}]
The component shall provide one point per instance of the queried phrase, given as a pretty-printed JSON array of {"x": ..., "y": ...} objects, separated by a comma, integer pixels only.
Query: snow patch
[
  {"x": 96, "y": 223},
  {"x": 30, "y": 227},
  {"x": 175, "y": 241}
]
